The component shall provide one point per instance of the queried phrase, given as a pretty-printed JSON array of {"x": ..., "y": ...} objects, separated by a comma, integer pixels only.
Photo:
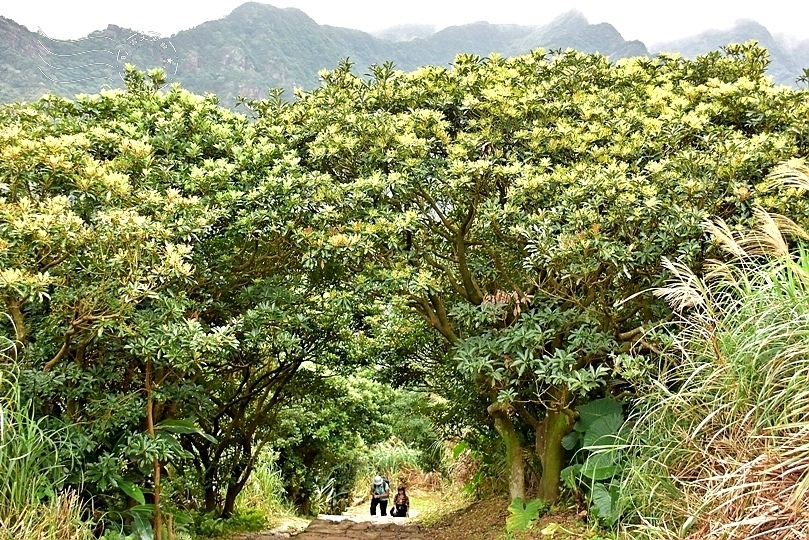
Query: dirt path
[
  {"x": 355, "y": 528},
  {"x": 349, "y": 528}
]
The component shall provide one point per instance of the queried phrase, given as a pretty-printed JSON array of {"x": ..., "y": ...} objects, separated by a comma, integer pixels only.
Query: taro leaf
[
  {"x": 600, "y": 466},
  {"x": 603, "y": 431},
  {"x": 523, "y": 514},
  {"x": 570, "y": 440},
  {"x": 132, "y": 490},
  {"x": 142, "y": 527},
  {"x": 592, "y": 411},
  {"x": 569, "y": 475},
  {"x": 605, "y": 503}
]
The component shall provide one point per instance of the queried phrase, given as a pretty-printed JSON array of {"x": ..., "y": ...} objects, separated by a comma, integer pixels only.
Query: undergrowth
[
  {"x": 32, "y": 507},
  {"x": 263, "y": 495},
  {"x": 721, "y": 442}
]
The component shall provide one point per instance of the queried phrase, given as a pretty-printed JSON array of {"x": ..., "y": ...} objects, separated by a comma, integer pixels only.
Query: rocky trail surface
[{"x": 327, "y": 527}]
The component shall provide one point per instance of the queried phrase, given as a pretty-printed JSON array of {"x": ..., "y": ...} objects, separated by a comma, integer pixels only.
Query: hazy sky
[{"x": 650, "y": 21}]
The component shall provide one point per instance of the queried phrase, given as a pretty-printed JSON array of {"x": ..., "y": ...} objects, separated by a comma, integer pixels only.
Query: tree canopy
[
  {"x": 523, "y": 206},
  {"x": 182, "y": 281}
]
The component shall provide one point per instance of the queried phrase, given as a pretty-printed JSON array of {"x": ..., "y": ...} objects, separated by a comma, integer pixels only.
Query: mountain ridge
[
  {"x": 786, "y": 63},
  {"x": 259, "y": 46}
]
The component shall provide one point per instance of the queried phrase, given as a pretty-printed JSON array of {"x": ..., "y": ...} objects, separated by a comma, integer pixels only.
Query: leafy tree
[
  {"x": 323, "y": 434},
  {"x": 147, "y": 264},
  {"x": 522, "y": 206},
  {"x": 184, "y": 284}
]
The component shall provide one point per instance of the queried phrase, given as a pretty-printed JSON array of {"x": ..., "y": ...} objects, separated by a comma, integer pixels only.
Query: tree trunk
[
  {"x": 501, "y": 412},
  {"x": 554, "y": 427},
  {"x": 15, "y": 308},
  {"x": 230, "y": 501},
  {"x": 233, "y": 493},
  {"x": 207, "y": 467},
  {"x": 210, "y": 497},
  {"x": 158, "y": 518}
]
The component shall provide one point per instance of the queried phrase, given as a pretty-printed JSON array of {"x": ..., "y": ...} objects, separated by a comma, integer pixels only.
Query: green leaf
[
  {"x": 523, "y": 514},
  {"x": 605, "y": 503},
  {"x": 569, "y": 475},
  {"x": 183, "y": 427},
  {"x": 170, "y": 441},
  {"x": 473, "y": 483},
  {"x": 132, "y": 490},
  {"x": 592, "y": 411},
  {"x": 178, "y": 426},
  {"x": 183, "y": 518},
  {"x": 600, "y": 466},
  {"x": 570, "y": 440},
  {"x": 459, "y": 448},
  {"x": 142, "y": 527},
  {"x": 603, "y": 431}
]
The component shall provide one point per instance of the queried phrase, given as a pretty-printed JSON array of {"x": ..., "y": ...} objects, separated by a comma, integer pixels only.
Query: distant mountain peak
[
  {"x": 259, "y": 46},
  {"x": 115, "y": 29},
  {"x": 405, "y": 32},
  {"x": 572, "y": 19},
  {"x": 786, "y": 60},
  {"x": 749, "y": 23},
  {"x": 742, "y": 30},
  {"x": 262, "y": 10},
  {"x": 253, "y": 7}
]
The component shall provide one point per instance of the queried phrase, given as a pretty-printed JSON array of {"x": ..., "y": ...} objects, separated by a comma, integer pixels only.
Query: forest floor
[
  {"x": 434, "y": 516},
  {"x": 486, "y": 520}
]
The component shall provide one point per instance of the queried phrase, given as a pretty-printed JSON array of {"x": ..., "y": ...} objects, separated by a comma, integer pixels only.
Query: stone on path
[
  {"x": 360, "y": 528},
  {"x": 327, "y": 527}
]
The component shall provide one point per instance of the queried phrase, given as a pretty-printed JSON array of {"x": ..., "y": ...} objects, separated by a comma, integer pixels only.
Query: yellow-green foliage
[
  {"x": 523, "y": 206},
  {"x": 160, "y": 253}
]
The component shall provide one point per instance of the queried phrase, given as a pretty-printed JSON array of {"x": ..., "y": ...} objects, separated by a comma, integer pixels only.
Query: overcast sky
[{"x": 650, "y": 21}]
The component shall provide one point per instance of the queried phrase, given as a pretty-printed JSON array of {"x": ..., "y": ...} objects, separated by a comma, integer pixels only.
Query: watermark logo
[
  {"x": 99, "y": 59},
  {"x": 153, "y": 45}
]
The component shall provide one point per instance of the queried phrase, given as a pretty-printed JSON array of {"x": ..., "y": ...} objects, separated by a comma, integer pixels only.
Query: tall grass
[
  {"x": 720, "y": 447},
  {"x": 393, "y": 459},
  {"x": 390, "y": 458},
  {"x": 56, "y": 519},
  {"x": 30, "y": 506},
  {"x": 264, "y": 492}
]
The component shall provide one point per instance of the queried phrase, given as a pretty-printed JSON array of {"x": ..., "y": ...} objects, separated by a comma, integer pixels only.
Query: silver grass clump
[{"x": 721, "y": 439}]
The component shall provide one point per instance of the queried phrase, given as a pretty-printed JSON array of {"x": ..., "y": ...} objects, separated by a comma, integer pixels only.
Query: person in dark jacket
[{"x": 401, "y": 503}]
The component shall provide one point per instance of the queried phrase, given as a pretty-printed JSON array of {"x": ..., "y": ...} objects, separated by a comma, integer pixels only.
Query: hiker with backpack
[{"x": 380, "y": 491}]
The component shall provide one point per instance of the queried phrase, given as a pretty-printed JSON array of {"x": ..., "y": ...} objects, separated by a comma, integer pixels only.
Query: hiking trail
[{"x": 348, "y": 527}]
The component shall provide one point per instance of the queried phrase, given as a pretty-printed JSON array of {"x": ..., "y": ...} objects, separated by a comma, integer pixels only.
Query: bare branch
[
  {"x": 434, "y": 205},
  {"x": 59, "y": 355},
  {"x": 631, "y": 334}
]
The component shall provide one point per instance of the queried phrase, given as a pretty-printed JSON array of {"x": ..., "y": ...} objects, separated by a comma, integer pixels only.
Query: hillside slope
[
  {"x": 787, "y": 60},
  {"x": 258, "y": 47}
]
